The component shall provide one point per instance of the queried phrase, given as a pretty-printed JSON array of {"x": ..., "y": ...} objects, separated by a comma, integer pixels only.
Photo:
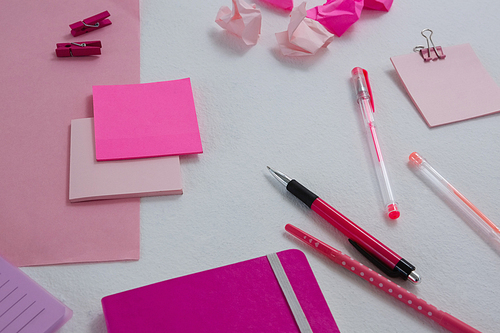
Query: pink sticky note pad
[
  {"x": 93, "y": 180},
  {"x": 451, "y": 89},
  {"x": 145, "y": 120}
]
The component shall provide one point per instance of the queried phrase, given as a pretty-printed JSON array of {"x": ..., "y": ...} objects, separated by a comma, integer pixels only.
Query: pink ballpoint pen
[
  {"x": 440, "y": 317},
  {"x": 380, "y": 255},
  {"x": 364, "y": 98}
]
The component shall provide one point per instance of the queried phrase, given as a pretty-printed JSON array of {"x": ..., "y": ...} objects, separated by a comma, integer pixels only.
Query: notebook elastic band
[{"x": 286, "y": 287}]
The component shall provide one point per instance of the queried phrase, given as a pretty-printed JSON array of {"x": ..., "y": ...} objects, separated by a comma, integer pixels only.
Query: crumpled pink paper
[
  {"x": 304, "y": 35},
  {"x": 337, "y": 15},
  {"x": 244, "y": 21},
  {"x": 383, "y": 5},
  {"x": 283, "y": 4}
]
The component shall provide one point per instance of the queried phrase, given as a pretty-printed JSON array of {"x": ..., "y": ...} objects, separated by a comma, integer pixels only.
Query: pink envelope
[
  {"x": 40, "y": 95},
  {"x": 242, "y": 297},
  {"x": 145, "y": 120}
]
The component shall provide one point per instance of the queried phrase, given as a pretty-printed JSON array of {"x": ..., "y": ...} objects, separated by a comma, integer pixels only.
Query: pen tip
[
  {"x": 414, "y": 277},
  {"x": 282, "y": 178}
]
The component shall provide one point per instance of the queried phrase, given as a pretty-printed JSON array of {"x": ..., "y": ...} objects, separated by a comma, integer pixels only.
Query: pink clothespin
[
  {"x": 432, "y": 52},
  {"x": 79, "y": 49},
  {"x": 90, "y": 24}
]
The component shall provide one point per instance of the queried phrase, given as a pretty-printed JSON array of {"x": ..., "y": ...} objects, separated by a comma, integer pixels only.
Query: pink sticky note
[
  {"x": 451, "y": 89},
  {"x": 145, "y": 120},
  {"x": 283, "y": 4},
  {"x": 383, "y": 5},
  {"x": 243, "y": 21},
  {"x": 337, "y": 15},
  {"x": 40, "y": 95},
  {"x": 304, "y": 35},
  {"x": 92, "y": 180}
]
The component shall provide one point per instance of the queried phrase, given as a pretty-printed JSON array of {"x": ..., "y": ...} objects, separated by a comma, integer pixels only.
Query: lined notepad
[{"x": 26, "y": 307}]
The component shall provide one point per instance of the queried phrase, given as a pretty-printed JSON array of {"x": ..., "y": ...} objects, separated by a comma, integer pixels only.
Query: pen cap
[
  {"x": 361, "y": 84},
  {"x": 416, "y": 159}
]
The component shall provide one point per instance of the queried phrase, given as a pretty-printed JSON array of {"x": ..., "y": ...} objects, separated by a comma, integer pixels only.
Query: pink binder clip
[
  {"x": 90, "y": 24},
  {"x": 79, "y": 49},
  {"x": 432, "y": 52}
]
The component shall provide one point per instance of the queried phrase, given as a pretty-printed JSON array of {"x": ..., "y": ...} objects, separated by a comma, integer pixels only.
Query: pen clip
[
  {"x": 367, "y": 80},
  {"x": 380, "y": 265}
]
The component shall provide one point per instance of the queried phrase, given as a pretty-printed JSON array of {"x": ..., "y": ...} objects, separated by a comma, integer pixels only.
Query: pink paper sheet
[
  {"x": 383, "y": 5},
  {"x": 304, "y": 36},
  {"x": 92, "y": 180},
  {"x": 449, "y": 90},
  {"x": 40, "y": 95},
  {"x": 337, "y": 15},
  {"x": 145, "y": 120},
  {"x": 283, "y": 4},
  {"x": 244, "y": 21}
]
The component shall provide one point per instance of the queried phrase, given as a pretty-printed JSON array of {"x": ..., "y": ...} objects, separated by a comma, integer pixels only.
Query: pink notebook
[{"x": 242, "y": 297}]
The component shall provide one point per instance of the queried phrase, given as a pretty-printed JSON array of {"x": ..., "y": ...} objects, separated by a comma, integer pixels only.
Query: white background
[{"x": 255, "y": 108}]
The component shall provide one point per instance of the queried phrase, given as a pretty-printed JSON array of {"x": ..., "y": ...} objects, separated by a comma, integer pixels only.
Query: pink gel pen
[
  {"x": 482, "y": 224},
  {"x": 364, "y": 99}
]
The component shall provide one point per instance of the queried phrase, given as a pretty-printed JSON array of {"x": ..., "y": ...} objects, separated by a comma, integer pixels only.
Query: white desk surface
[{"x": 255, "y": 108}]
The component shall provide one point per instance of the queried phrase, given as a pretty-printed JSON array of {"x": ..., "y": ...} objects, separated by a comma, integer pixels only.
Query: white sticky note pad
[{"x": 92, "y": 180}]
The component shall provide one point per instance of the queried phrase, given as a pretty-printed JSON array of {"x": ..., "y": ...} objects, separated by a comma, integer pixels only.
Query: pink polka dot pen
[{"x": 442, "y": 318}]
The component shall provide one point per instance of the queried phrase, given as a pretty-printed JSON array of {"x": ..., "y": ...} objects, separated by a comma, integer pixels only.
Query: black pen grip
[{"x": 301, "y": 192}]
